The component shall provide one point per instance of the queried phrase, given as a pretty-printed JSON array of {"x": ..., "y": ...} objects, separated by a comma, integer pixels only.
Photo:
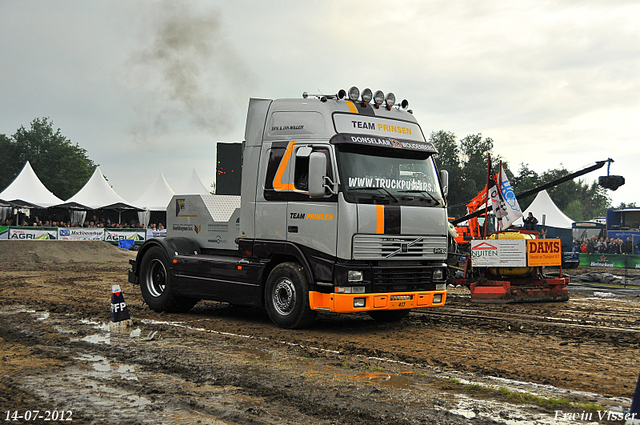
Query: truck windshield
[{"x": 388, "y": 176}]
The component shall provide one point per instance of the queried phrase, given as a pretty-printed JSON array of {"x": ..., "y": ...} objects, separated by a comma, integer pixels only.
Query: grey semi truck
[{"x": 341, "y": 210}]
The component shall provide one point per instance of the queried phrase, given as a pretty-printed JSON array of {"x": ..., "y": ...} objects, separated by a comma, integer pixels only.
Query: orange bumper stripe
[{"x": 343, "y": 303}]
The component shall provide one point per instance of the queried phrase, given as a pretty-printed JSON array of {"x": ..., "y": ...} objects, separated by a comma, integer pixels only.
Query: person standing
[{"x": 530, "y": 222}]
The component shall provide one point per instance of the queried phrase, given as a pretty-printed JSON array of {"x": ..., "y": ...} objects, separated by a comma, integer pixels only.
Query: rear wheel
[
  {"x": 387, "y": 316},
  {"x": 156, "y": 284},
  {"x": 287, "y": 297}
]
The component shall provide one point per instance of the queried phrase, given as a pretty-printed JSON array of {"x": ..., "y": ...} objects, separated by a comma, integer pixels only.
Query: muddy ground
[{"x": 223, "y": 364}]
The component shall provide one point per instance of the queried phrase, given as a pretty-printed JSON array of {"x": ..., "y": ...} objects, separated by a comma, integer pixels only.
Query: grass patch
[{"x": 517, "y": 397}]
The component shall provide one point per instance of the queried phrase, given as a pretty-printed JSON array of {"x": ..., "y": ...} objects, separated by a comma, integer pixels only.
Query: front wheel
[
  {"x": 287, "y": 297},
  {"x": 388, "y": 316},
  {"x": 156, "y": 284}
]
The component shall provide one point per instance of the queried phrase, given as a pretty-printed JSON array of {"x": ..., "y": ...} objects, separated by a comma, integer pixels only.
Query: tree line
[
  {"x": 466, "y": 161},
  {"x": 64, "y": 168}
]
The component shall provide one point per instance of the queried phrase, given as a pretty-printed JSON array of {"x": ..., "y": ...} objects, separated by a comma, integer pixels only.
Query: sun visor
[{"x": 384, "y": 142}]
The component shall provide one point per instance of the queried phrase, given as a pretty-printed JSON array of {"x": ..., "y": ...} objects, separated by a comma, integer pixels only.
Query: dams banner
[{"x": 627, "y": 261}]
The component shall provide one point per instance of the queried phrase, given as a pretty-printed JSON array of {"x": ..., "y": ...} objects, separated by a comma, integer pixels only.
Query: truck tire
[
  {"x": 156, "y": 284},
  {"x": 287, "y": 297},
  {"x": 388, "y": 316}
]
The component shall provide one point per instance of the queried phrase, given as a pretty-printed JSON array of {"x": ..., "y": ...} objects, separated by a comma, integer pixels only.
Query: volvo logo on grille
[{"x": 405, "y": 247}]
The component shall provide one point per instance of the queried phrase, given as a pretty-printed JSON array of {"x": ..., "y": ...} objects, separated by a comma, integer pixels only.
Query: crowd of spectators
[
  {"x": 602, "y": 245},
  {"x": 94, "y": 222}
]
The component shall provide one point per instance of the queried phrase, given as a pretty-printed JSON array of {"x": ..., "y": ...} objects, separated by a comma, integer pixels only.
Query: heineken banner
[
  {"x": 610, "y": 260},
  {"x": 33, "y": 233},
  {"x": 114, "y": 235},
  {"x": 81, "y": 234}
]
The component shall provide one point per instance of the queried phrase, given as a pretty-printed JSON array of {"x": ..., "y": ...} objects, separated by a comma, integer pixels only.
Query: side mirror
[
  {"x": 444, "y": 181},
  {"x": 317, "y": 171}
]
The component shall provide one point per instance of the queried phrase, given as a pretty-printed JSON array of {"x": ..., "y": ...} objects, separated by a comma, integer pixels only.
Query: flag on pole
[{"x": 503, "y": 200}]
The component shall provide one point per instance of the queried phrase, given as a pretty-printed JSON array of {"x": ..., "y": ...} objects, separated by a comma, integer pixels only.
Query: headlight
[
  {"x": 378, "y": 98},
  {"x": 349, "y": 289},
  {"x": 437, "y": 299},
  {"x": 438, "y": 274},
  {"x": 367, "y": 95},
  {"x": 441, "y": 287},
  {"x": 390, "y": 100},
  {"x": 354, "y": 275},
  {"x": 354, "y": 93}
]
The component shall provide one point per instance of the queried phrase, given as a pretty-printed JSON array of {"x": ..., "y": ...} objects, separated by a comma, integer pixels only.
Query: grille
[
  {"x": 398, "y": 279},
  {"x": 380, "y": 247}
]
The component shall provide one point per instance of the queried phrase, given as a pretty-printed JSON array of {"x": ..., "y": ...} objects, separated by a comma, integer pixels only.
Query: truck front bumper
[{"x": 353, "y": 303}]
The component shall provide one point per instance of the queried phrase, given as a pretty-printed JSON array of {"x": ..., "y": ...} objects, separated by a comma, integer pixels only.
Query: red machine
[
  {"x": 509, "y": 272},
  {"x": 509, "y": 269}
]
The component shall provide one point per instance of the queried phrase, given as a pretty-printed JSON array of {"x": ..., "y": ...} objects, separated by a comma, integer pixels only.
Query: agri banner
[
  {"x": 33, "y": 233},
  {"x": 625, "y": 261},
  {"x": 80, "y": 234},
  {"x": 114, "y": 235},
  {"x": 4, "y": 232}
]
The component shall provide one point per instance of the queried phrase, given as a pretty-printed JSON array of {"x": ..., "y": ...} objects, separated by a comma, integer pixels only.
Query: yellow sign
[{"x": 544, "y": 252}]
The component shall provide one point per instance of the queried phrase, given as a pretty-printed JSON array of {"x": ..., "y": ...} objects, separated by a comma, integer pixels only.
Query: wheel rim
[
  {"x": 156, "y": 278},
  {"x": 284, "y": 296}
]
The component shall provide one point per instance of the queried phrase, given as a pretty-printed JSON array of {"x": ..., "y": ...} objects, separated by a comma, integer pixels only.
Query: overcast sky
[{"x": 151, "y": 86}]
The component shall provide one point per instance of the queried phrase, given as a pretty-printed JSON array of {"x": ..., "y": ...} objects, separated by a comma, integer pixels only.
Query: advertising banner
[
  {"x": 610, "y": 260},
  {"x": 114, "y": 235},
  {"x": 544, "y": 252},
  {"x": 33, "y": 233},
  {"x": 498, "y": 253},
  {"x": 4, "y": 232},
  {"x": 80, "y": 234},
  {"x": 156, "y": 233}
]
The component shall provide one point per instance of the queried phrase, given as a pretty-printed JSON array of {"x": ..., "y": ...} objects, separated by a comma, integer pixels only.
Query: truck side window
[{"x": 301, "y": 173}]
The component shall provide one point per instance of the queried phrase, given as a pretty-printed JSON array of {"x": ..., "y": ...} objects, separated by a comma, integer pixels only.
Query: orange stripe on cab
[
  {"x": 352, "y": 106},
  {"x": 379, "y": 219},
  {"x": 277, "y": 181}
]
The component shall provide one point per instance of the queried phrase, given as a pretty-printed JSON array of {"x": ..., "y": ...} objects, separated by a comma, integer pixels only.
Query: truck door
[{"x": 311, "y": 223}]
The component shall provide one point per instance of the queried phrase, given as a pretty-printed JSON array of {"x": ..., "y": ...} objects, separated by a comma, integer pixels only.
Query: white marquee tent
[
  {"x": 156, "y": 198},
  {"x": 97, "y": 194},
  {"x": 193, "y": 186},
  {"x": 543, "y": 205},
  {"x": 27, "y": 191}
]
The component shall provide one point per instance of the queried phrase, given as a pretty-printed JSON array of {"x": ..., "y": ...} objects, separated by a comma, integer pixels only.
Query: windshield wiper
[
  {"x": 422, "y": 192},
  {"x": 376, "y": 188}
]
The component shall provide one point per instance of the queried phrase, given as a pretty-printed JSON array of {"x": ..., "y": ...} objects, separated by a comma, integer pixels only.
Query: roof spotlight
[
  {"x": 378, "y": 98},
  {"x": 367, "y": 95},
  {"x": 305, "y": 95},
  {"x": 390, "y": 100},
  {"x": 354, "y": 94},
  {"x": 404, "y": 104},
  {"x": 341, "y": 94}
]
